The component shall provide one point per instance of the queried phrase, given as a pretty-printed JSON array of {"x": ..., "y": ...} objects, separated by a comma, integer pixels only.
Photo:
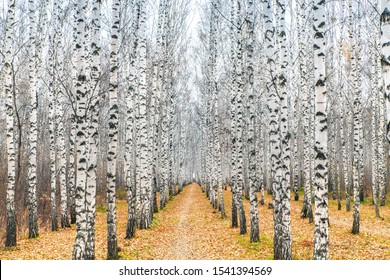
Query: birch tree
[
  {"x": 215, "y": 96},
  {"x": 59, "y": 113},
  {"x": 272, "y": 102},
  {"x": 53, "y": 84},
  {"x": 239, "y": 117},
  {"x": 212, "y": 108},
  {"x": 321, "y": 163},
  {"x": 281, "y": 195},
  {"x": 143, "y": 178},
  {"x": 81, "y": 128},
  {"x": 9, "y": 106},
  {"x": 164, "y": 192},
  {"x": 130, "y": 144},
  {"x": 377, "y": 117},
  {"x": 93, "y": 128},
  {"x": 254, "y": 233},
  {"x": 304, "y": 80},
  {"x": 385, "y": 42},
  {"x": 32, "y": 172},
  {"x": 112, "y": 252},
  {"x": 356, "y": 125}
]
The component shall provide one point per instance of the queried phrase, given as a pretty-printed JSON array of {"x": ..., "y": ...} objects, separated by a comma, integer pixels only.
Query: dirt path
[
  {"x": 181, "y": 248},
  {"x": 187, "y": 229}
]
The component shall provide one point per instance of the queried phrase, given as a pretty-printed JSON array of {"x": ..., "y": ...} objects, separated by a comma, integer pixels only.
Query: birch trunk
[
  {"x": 240, "y": 119},
  {"x": 164, "y": 192},
  {"x": 374, "y": 128},
  {"x": 81, "y": 128},
  {"x": 112, "y": 246},
  {"x": 142, "y": 161},
  {"x": 130, "y": 144},
  {"x": 59, "y": 114},
  {"x": 307, "y": 211},
  {"x": 233, "y": 118},
  {"x": 32, "y": 169},
  {"x": 52, "y": 129},
  {"x": 356, "y": 125},
  {"x": 321, "y": 220},
  {"x": 282, "y": 228},
  {"x": 93, "y": 131},
  {"x": 9, "y": 106},
  {"x": 71, "y": 180},
  {"x": 254, "y": 215},
  {"x": 385, "y": 42}
]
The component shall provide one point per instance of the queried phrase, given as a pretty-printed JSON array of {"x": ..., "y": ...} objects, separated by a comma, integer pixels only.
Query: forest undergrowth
[{"x": 189, "y": 228}]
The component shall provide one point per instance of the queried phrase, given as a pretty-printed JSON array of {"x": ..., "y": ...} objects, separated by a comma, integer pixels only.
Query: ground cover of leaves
[{"x": 189, "y": 228}]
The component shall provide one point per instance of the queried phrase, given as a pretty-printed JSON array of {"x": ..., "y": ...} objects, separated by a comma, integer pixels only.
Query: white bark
[
  {"x": 282, "y": 227},
  {"x": 9, "y": 106},
  {"x": 130, "y": 129},
  {"x": 240, "y": 118},
  {"x": 232, "y": 95},
  {"x": 307, "y": 206},
  {"x": 32, "y": 170},
  {"x": 385, "y": 46},
  {"x": 52, "y": 129},
  {"x": 385, "y": 42},
  {"x": 81, "y": 128},
  {"x": 321, "y": 238},
  {"x": 143, "y": 176},
  {"x": 254, "y": 215},
  {"x": 93, "y": 136},
  {"x": 356, "y": 124},
  {"x": 112, "y": 252}
]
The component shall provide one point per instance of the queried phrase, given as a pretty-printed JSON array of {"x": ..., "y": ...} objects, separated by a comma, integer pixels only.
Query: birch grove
[{"x": 266, "y": 105}]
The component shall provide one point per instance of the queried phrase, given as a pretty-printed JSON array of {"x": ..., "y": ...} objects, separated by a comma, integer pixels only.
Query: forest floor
[{"x": 189, "y": 228}]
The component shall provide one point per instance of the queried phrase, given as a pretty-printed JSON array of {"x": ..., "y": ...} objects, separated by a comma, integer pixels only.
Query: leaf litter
[{"x": 189, "y": 228}]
